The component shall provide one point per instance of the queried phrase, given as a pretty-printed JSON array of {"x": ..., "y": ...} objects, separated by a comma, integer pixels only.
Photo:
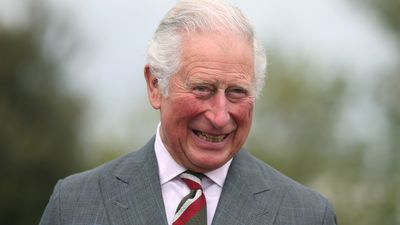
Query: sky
[{"x": 113, "y": 36}]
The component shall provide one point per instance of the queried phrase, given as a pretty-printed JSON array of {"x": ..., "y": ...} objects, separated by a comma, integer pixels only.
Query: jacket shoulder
[
  {"x": 293, "y": 189},
  {"x": 298, "y": 204},
  {"x": 78, "y": 197},
  {"x": 87, "y": 181}
]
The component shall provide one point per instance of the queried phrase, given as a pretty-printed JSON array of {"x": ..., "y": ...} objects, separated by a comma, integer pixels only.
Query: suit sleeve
[
  {"x": 51, "y": 215},
  {"x": 330, "y": 216}
]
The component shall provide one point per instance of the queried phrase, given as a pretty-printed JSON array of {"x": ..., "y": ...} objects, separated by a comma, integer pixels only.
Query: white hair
[{"x": 189, "y": 16}]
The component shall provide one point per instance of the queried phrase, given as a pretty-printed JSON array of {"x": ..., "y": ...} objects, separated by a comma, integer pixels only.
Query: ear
[{"x": 153, "y": 88}]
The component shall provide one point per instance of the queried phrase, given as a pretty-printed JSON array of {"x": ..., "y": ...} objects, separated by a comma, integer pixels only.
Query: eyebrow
[{"x": 213, "y": 81}]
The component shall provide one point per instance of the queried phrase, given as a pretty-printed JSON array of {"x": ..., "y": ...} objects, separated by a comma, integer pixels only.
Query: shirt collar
[
  {"x": 218, "y": 175},
  {"x": 168, "y": 169}
]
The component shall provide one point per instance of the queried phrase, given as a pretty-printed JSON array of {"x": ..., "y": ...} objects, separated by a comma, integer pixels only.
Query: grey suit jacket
[{"x": 127, "y": 191}]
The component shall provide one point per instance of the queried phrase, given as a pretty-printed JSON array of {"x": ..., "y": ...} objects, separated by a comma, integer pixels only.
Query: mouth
[{"x": 210, "y": 137}]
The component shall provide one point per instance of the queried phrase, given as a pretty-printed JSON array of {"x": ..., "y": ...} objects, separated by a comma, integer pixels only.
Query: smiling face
[{"x": 207, "y": 115}]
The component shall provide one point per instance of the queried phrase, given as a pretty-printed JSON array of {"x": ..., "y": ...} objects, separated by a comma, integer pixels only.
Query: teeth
[{"x": 209, "y": 137}]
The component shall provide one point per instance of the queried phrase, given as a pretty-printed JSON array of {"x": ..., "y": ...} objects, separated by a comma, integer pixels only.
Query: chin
[{"x": 207, "y": 165}]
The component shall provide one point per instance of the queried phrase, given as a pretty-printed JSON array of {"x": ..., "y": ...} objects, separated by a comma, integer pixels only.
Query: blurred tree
[
  {"x": 39, "y": 120},
  {"x": 389, "y": 12},
  {"x": 388, "y": 92}
]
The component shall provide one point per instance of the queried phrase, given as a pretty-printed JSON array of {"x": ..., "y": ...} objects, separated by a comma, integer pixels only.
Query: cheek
[
  {"x": 244, "y": 113},
  {"x": 181, "y": 104},
  {"x": 186, "y": 107}
]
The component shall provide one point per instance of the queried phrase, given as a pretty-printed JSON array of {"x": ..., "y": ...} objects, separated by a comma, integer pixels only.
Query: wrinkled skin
[{"x": 206, "y": 117}]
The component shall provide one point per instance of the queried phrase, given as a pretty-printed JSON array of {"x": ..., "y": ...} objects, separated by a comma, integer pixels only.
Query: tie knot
[{"x": 192, "y": 179}]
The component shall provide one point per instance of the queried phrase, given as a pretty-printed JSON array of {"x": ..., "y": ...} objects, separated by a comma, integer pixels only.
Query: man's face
[{"x": 207, "y": 115}]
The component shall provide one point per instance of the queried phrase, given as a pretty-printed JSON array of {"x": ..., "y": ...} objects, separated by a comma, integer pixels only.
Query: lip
[{"x": 208, "y": 145}]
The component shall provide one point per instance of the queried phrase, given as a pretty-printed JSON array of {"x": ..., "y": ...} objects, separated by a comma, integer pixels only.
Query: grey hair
[{"x": 164, "y": 49}]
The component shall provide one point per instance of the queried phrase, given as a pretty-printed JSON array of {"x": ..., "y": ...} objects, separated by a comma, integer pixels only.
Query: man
[{"x": 204, "y": 71}]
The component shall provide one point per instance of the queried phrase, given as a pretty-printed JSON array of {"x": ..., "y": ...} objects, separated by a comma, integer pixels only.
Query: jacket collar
[{"x": 132, "y": 192}]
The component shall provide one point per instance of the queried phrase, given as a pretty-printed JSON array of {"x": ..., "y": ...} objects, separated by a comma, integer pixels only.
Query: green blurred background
[{"x": 302, "y": 122}]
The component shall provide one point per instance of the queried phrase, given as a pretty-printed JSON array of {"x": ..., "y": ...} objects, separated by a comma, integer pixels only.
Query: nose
[{"x": 218, "y": 113}]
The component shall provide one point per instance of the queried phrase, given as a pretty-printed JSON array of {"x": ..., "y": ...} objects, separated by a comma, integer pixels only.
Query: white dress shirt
[{"x": 174, "y": 189}]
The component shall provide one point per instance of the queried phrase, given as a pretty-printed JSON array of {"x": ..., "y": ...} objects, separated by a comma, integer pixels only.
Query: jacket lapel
[
  {"x": 132, "y": 191},
  {"x": 247, "y": 197}
]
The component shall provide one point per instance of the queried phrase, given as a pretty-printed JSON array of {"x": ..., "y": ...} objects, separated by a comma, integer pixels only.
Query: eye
[
  {"x": 236, "y": 92},
  {"x": 202, "y": 90}
]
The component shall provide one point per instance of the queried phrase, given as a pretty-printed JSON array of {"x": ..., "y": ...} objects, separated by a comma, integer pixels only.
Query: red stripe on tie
[
  {"x": 192, "y": 210},
  {"x": 192, "y": 184}
]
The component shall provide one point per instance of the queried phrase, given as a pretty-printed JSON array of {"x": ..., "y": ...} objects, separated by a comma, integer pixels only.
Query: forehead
[
  {"x": 217, "y": 53},
  {"x": 215, "y": 44}
]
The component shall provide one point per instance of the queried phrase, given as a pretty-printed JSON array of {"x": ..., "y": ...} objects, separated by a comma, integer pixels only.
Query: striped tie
[{"x": 192, "y": 209}]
